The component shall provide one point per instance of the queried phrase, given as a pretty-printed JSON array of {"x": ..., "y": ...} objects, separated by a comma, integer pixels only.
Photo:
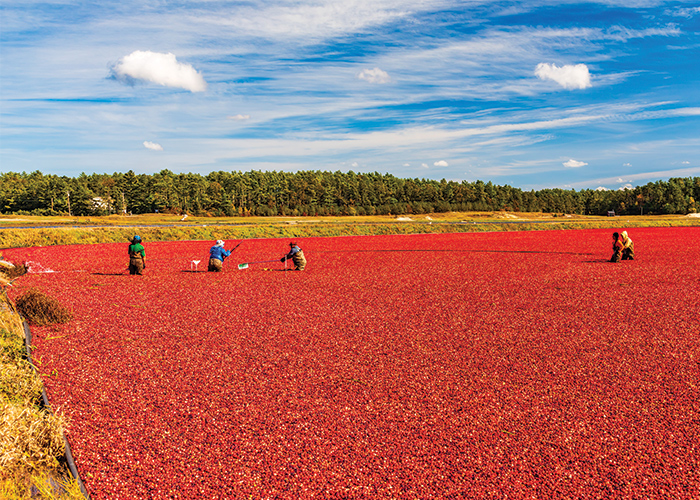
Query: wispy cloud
[
  {"x": 308, "y": 22},
  {"x": 623, "y": 34},
  {"x": 408, "y": 138},
  {"x": 642, "y": 177},
  {"x": 687, "y": 12},
  {"x": 163, "y": 69},
  {"x": 239, "y": 117}
]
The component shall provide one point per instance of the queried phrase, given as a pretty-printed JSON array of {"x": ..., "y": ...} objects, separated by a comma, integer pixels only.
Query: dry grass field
[{"x": 28, "y": 231}]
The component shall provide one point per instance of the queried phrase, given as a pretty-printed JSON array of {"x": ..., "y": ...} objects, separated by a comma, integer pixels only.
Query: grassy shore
[
  {"x": 44, "y": 231},
  {"x": 31, "y": 436}
]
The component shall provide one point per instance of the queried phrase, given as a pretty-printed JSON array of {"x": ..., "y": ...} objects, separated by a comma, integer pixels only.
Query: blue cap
[{"x": 137, "y": 238}]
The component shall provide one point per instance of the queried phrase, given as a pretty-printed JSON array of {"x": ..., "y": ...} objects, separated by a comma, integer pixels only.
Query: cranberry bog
[{"x": 491, "y": 365}]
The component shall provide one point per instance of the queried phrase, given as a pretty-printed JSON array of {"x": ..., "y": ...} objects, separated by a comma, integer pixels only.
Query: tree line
[{"x": 318, "y": 193}]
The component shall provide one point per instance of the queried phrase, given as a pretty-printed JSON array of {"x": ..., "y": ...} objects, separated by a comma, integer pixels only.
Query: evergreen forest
[{"x": 317, "y": 193}]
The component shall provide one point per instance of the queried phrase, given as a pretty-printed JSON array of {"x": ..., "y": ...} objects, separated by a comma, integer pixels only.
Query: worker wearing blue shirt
[{"x": 217, "y": 254}]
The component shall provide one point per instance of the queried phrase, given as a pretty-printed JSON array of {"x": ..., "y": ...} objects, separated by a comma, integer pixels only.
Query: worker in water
[
  {"x": 617, "y": 248},
  {"x": 137, "y": 256},
  {"x": 297, "y": 256},
  {"x": 217, "y": 255},
  {"x": 627, "y": 246}
]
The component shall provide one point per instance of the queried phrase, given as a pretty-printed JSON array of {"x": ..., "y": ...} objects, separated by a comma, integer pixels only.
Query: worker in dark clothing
[
  {"x": 217, "y": 255},
  {"x": 617, "y": 248},
  {"x": 296, "y": 254},
  {"x": 137, "y": 256}
]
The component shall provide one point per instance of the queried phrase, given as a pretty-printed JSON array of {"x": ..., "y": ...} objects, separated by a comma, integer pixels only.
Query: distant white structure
[{"x": 99, "y": 204}]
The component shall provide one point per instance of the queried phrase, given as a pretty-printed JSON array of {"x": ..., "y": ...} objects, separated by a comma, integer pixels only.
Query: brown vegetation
[{"x": 41, "y": 309}]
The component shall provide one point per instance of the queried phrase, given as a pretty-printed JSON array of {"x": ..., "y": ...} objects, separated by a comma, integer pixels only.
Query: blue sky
[{"x": 533, "y": 94}]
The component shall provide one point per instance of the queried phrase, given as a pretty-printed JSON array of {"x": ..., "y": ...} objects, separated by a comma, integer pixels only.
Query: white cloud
[
  {"x": 375, "y": 75},
  {"x": 354, "y": 164},
  {"x": 406, "y": 164},
  {"x": 574, "y": 164},
  {"x": 685, "y": 162},
  {"x": 625, "y": 187},
  {"x": 441, "y": 163},
  {"x": 424, "y": 165},
  {"x": 626, "y": 164},
  {"x": 152, "y": 145},
  {"x": 239, "y": 117},
  {"x": 156, "y": 67},
  {"x": 568, "y": 76},
  {"x": 601, "y": 188}
]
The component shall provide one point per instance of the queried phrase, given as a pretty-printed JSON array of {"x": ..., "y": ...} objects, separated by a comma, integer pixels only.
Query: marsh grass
[
  {"x": 18, "y": 383},
  {"x": 41, "y": 309},
  {"x": 153, "y": 228},
  {"x": 31, "y": 440},
  {"x": 41, "y": 486},
  {"x": 31, "y": 437}
]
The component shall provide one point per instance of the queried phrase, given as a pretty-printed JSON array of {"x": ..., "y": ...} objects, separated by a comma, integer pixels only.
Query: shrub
[{"x": 41, "y": 309}]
